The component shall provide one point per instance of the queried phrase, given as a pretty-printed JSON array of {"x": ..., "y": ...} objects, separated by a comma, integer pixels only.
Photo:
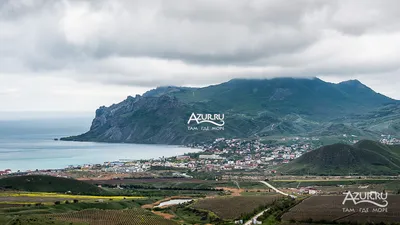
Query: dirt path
[
  {"x": 276, "y": 190},
  {"x": 164, "y": 215},
  {"x": 234, "y": 191}
]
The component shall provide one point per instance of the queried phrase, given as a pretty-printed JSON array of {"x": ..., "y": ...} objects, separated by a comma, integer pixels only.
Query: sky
[{"x": 77, "y": 55}]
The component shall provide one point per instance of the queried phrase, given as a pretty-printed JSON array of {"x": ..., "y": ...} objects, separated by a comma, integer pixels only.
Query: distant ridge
[{"x": 363, "y": 158}]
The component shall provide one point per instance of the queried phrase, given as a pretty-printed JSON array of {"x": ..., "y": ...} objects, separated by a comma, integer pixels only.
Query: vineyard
[
  {"x": 114, "y": 217},
  {"x": 330, "y": 208},
  {"x": 234, "y": 207}
]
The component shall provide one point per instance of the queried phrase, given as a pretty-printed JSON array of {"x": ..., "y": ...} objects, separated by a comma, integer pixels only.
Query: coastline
[{"x": 55, "y": 155}]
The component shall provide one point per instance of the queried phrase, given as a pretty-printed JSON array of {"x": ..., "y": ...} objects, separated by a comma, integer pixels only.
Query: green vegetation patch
[
  {"x": 363, "y": 158},
  {"x": 234, "y": 207},
  {"x": 112, "y": 217},
  {"x": 40, "y": 183},
  {"x": 35, "y": 220}
]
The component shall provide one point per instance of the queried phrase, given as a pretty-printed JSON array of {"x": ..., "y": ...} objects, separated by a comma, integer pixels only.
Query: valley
[
  {"x": 132, "y": 204},
  {"x": 281, "y": 151}
]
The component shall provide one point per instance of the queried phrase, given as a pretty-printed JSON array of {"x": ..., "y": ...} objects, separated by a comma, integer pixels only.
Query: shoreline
[{"x": 91, "y": 148}]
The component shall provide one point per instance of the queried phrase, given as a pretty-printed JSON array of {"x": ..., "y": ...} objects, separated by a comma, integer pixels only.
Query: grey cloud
[{"x": 155, "y": 42}]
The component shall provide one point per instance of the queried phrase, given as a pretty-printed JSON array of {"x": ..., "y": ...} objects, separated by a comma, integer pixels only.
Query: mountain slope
[
  {"x": 385, "y": 119},
  {"x": 160, "y": 120},
  {"x": 363, "y": 158},
  {"x": 281, "y": 106},
  {"x": 139, "y": 120},
  {"x": 312, "y": 97}
]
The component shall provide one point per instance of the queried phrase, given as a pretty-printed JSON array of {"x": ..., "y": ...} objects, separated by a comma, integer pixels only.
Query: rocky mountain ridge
[{"x": 281, "y": 106}]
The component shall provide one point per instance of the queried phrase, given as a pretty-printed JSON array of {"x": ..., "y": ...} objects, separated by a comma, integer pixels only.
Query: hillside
[
  {"x": 156, "y": 120},
  {"x": 385, "y": 119},
  {"x": 287, "y": 96},
  {"x": 363, "y": 158},
  {"x": 281, "y": 106},
  {"x": 39, "y": 183}
]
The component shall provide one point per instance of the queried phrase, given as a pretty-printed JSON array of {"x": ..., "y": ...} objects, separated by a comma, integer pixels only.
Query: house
[
  {"x": 182, "y": 157},
  {"x": 5, "y": 172},
  {"x": 309, "y": 190},
  {"x": 210, "y": 157}
]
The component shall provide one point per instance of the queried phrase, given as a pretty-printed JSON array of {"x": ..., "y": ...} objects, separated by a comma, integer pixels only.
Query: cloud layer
[{"x": 153, "y": 42}]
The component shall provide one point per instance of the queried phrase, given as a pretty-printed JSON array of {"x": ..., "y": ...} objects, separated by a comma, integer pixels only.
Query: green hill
[
  {"x": 363, "y": 158},
  {"x": 39, "y": 183}
]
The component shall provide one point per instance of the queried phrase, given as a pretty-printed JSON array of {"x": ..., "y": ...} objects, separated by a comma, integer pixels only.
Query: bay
[{"x": 29, "y": 145}]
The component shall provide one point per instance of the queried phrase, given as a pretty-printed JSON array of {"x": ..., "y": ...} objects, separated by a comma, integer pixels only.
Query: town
[{"x": 221, "y": 155}]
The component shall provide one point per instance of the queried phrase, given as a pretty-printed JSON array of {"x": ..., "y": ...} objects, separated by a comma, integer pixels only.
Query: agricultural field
[
  {"x": 24, "y": 198},
  {"x": 34, "y": 220},
  {"x": 390, "y": 185},
  {"x": 111, "y": 217},
  {"x": 190, "y": 215},
  {"x": 53, "y": 214},
  {"x": 230, "y": 208},
  {"x": 51, "y": 208},
  {"x": 329, "y": 209}
]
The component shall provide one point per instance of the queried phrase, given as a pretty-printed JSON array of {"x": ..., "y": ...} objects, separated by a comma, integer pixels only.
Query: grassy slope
[
  {"x": 49, "y": 184},
  {"x": 286, "y": 96},
  {"x": 363, "y": 158},
  {"x": 40, "y": 215},
  {"x": 63, "y": 208}
]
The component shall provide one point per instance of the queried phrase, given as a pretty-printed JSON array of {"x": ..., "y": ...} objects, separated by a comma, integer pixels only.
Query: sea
[{"x": 29, "y": 145}]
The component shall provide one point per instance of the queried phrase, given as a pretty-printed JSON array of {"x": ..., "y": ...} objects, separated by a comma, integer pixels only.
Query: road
[
  {"x": 250, "y": 222},
  {"x": 276, "y": 190}
]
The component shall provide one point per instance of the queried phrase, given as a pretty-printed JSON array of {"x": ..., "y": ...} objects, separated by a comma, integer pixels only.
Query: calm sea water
[{"x": 29, "y": 145}]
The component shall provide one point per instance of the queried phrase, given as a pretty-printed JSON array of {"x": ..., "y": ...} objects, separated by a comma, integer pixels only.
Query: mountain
[
  {"x": 154, "y": 120},
  {"x": 287, "y": 96},
  {"x": 251, "y": 107},
  {"x": 385, "y": 119},
  {"x": 363, "y": 158}
]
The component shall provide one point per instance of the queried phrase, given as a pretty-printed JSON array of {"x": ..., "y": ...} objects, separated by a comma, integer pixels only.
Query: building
[
  {"x": 210, "y": 157},
  {"x": 182, "y": 157}
]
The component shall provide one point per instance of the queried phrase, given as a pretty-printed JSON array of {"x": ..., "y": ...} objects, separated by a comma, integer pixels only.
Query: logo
[
  {"x": 208, "y": 118},
  {"x": 377, "y": 200},
  {"x": 372, "y": 197},
  {"x": 215, "y": 120}
]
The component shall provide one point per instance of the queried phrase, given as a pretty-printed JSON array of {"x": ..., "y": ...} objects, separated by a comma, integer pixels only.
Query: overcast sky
[{"x": 77, "y": 55}]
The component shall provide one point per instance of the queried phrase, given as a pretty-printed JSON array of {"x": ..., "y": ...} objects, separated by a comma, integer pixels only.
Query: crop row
[
  {"x": 234, "y": 207},
  {"x": 332, "y": 209},
  {"x": 111, "y": 217}
]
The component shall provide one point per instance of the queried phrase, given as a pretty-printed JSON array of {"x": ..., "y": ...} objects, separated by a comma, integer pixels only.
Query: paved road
[
  {"x": 255, "y": 217},
  {"x": 278, "y": 191}
]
